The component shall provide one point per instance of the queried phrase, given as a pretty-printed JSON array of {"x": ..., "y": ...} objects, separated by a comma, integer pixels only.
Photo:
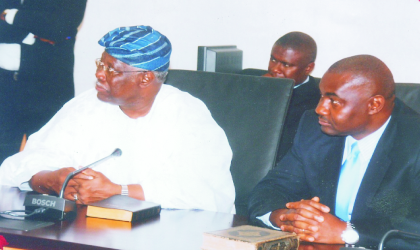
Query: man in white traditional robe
[{"x": 173, "y": 152}]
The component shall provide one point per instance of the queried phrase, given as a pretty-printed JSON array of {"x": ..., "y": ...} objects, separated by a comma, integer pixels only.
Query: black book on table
[{"x": 124, "y": 208}]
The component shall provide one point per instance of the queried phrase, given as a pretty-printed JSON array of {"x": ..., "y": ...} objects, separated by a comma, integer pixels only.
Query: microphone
[
  {"x": 58, "y": 207},
  {"x": 117, "y": 152},
  {"x": 384, "y": 237},
  {"x": 381, "y": 243}
]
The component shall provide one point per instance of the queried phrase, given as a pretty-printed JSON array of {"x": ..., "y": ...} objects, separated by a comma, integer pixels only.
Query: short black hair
[{"x": 299, "y": 41}]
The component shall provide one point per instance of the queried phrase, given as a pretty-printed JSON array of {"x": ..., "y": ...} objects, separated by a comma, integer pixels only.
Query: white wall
[{"x": 387, "y": 29}]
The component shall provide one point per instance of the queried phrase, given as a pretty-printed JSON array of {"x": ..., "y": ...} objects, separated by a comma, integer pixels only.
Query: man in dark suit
[
  {"x": 37, "y": 39},
  {"x": 293, "y": 56},
  {"x": 305, "y": 193}
]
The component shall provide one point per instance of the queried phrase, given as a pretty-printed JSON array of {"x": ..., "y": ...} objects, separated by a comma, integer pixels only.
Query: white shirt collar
[{"x": 297, "y": 86}]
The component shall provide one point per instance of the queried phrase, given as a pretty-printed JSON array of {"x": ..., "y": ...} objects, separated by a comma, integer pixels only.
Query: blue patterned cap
[{"x": 138, "y": 46}]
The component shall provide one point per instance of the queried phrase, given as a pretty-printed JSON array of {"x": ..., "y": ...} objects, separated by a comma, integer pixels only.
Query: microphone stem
[{"x": 75, "y": 172}]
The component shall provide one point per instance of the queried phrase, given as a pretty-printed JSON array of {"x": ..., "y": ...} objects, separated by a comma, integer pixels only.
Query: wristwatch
[
  {"x": 124, "y": 190},
  {"x": 350, "y": 235}
]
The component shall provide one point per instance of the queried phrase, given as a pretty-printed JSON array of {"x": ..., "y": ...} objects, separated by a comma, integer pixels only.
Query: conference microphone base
[{"x": 56, "y": 208}]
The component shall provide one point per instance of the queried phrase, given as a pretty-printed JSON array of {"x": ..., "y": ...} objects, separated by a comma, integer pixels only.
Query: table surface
[{"x": 172, "y": 229}]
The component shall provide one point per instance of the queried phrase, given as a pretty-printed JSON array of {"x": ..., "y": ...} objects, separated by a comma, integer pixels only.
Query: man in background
[
  {"x": 36, "y": 64},
  {"x": 173, "y": 152},
  {"x": 353, "y": 170},
  {"x": 293, "y": 56}
]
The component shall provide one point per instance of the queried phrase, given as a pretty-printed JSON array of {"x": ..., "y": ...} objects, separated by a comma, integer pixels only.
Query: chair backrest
[
  {"x": 251, "y": 110},
  {"x": 409, "y": 93},
  {"x": 253, "y": 72}
]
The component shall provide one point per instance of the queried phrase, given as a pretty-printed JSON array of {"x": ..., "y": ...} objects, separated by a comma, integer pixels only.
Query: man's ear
[
  {"x": 376, "y": 104},
  {"x": 146, "y": 78},
  {"x": 309, "y": 68}
]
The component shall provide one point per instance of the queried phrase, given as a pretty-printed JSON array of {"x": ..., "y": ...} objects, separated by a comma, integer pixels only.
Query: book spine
[
  {"x": 289, "y": 243},
  {"x": 143, "y": 214}
]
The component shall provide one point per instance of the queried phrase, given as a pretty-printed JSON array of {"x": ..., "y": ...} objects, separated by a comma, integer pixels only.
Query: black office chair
[
  {"x": 409, "y": 93},
  {"x": 251, "y": 110},
  {"x": 253, "y": 72}
]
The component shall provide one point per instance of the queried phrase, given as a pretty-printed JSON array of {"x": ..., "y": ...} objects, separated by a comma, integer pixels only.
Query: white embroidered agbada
[{"x": 177, "y": 152}]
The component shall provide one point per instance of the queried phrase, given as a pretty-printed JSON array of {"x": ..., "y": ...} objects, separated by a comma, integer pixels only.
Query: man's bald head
[
  {"x": 379, "y": 77},
  {"x": 301, "y": 42}
]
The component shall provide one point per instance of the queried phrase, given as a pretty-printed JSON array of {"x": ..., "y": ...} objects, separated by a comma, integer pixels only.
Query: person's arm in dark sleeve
[
  {"x": 285, "y": 183},
  {"x": 57, "y": 22},
  {"x": 10, "y": 33}
]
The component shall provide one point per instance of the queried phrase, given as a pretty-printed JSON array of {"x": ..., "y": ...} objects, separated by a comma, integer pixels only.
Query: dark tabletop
[{"x": 172, "y": 229}]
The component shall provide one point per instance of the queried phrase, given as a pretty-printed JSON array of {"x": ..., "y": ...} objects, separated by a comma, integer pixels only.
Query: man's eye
[
  {"x": 335, "y": 102},
  {"x": 111, "y": 70}
]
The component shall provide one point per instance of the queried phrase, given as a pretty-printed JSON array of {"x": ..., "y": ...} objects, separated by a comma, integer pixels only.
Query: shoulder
[
  {"x": 180, "y": 101},
  {"x": 309, "y": 123},
  {"x": 314, "y": 80},
  {"x": 182, "y": 110},
  {"x": 183, "y": 115},
  {"x": 84, "y": 106},
  {"x": 85, "y": 100},
  {"x": 308, "y": 92},
  {"x": 309, "y": 134},
  {"x": 407, "y": 120},
  {"x": 313, "y": 85}
]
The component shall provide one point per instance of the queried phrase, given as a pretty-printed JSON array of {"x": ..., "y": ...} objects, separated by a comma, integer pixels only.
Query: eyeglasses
[{"x": 101, "y": 66}]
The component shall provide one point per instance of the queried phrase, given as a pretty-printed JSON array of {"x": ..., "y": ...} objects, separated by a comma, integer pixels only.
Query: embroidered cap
[{"x": 139, "y": 46}]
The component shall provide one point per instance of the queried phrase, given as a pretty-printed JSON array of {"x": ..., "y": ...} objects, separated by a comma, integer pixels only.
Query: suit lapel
[
  {"x": 330, "y": 172},
  {"x": 376, "y": 170}
]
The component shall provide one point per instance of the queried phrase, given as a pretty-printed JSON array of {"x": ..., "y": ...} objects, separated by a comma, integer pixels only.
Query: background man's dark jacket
[
  {"x": 304, "y": 98},
  {"x": 44, "y": 82}
]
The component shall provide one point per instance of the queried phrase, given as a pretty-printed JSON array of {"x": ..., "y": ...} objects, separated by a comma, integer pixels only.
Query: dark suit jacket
[
  {"x": 388, "y": 197},
  {"x": 55, "y": 20},
  {"x": 45, "y": 78},
  {"x": 304, "y": 98}
]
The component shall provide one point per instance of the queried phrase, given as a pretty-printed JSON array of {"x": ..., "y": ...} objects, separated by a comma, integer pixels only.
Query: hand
[
  {"x": 92, "y": 186},
  {"x": 330, "y": 230},
  {"x": 310, "y": 220},
  {"x": 50, "y": 182},
  {"x": 303, "y": 217}
]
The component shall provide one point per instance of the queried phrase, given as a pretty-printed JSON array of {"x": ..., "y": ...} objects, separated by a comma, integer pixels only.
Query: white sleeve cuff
[
  {"x": 24, "y": 186},
  {"x": 29, "y": 39},
  {"x": 266, "y": 220},
  {"x": 10, "y": 16}
]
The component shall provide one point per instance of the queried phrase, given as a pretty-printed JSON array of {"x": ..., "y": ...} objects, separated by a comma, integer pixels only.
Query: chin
[
  {"x": 103, "y": 97},
  {"x": 329, "y": 131}
]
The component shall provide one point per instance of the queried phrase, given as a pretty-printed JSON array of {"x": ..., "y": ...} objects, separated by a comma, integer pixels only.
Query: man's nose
[
  {"x": 321, "y": 108},
  {"x": 100, "y": 74},
  {"x": 278, "y": 68}
]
